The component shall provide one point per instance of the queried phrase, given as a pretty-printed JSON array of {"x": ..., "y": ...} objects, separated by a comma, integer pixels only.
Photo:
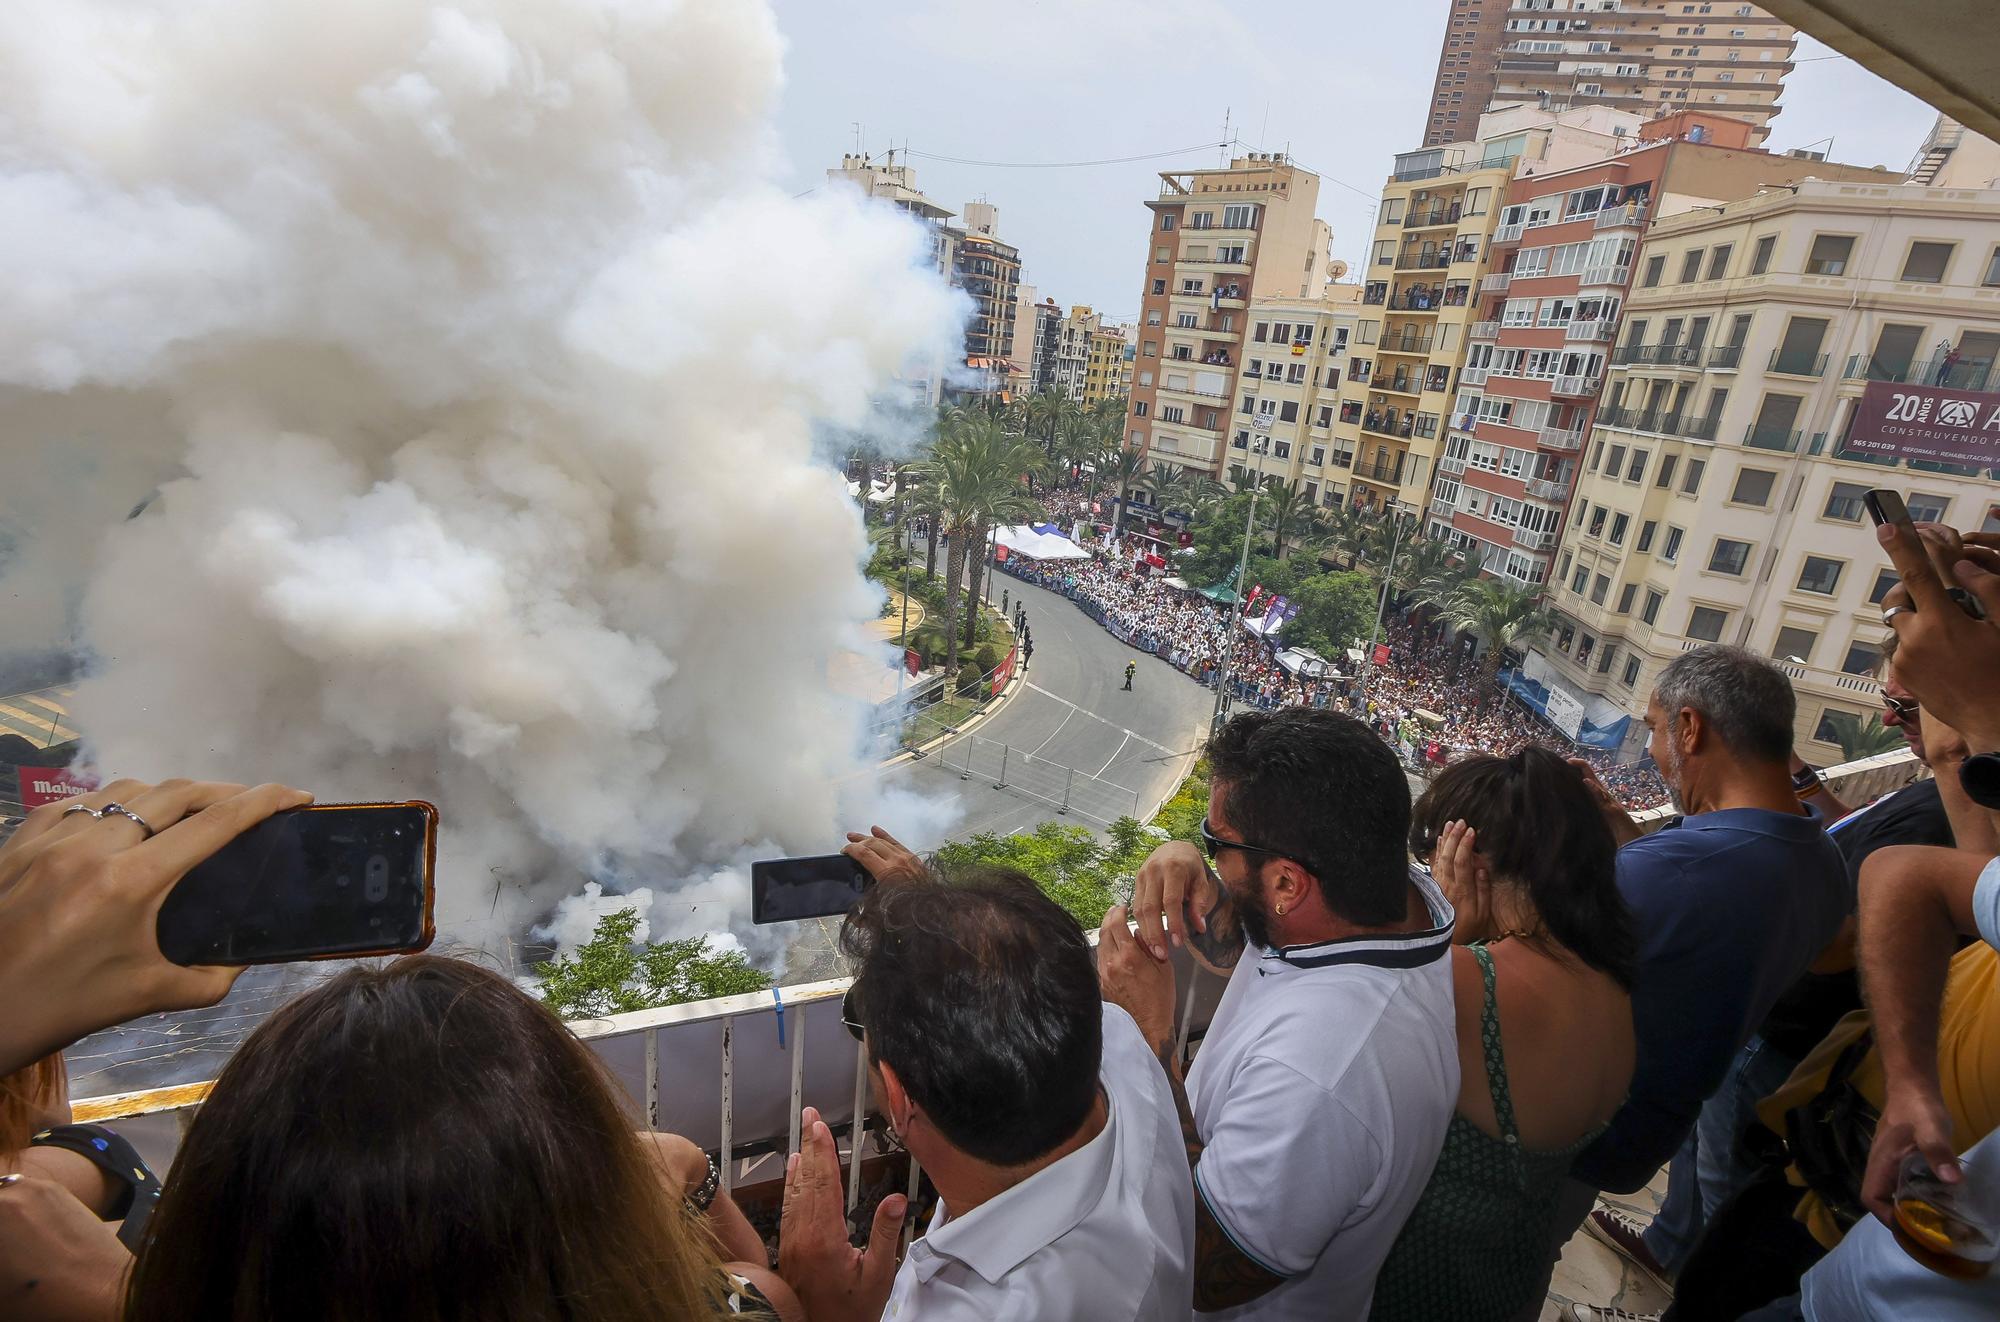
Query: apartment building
[
  {"x": 989, "y": 270},
  {"x": 1652, "y": 57},
  {"x": 1714, "y": 501},
  {"x": 1294, "y": 361},
  {"x": 897, "y": 185},
  {"x": 1219, "y": 238},
  {"x": 1548, "y": 313},
  {"x": 1073, "y": 351},
  {"x": 1104, "y": 374},
  {"x": 1433, "y": 231}
]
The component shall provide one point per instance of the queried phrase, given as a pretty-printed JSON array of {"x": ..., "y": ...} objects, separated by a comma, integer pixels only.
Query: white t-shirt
[
  {"x": 1321, "y": 1095},
  {"x": 1868, "y": 1275},
  {"x": 1105, "y": 1233}
]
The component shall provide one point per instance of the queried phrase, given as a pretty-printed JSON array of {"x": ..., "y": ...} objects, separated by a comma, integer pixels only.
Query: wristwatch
[
  {"x": 1979, "y": 776},
  {"x": 702, "y": 1196},
  {"x": 1805, "y": 781}
]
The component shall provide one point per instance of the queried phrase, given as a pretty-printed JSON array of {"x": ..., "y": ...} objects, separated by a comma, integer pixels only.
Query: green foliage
[
  {"x": 1084, "y": 875},
  {"x": 1861, "y": 737},
  {"x": 1334, "y": 609},
  {"x": 1182, "y": 815},
  {"x": 885, "y": 564},
  {"x": 987, "y": 656},
  {"x": 970, "y": 678},
  {"x": 1500, "y": 614},
  {"x": 612, "y": 974}
]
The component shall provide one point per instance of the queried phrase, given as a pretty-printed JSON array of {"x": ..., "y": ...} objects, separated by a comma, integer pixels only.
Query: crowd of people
[
  {"x": 1428, "y": 703},
  {"x": 1418, "y": 1081}
]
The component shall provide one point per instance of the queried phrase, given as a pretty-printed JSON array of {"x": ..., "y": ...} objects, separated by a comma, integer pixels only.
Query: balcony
[
  {"x": 1507, "y": 233},
  {"x": 1449, "y": 464},
  {"x": 1601, "y": 330},
  {"x": 1542, "y": 488},
  {"x": 1474, "y": 376},
  {"x": 1416, "y": 300},
  {"x": 1606, "y": 275},
  {"x": 1387, "y": 474},
  {"x": 1390, "y": 426},
  {"x": 1726, "y": 359},
  {"x": 1433, "y": 259},
  {"x": 1399, "y": 384},
  {"x": 1431, "y": 217},
  {"x": 1939, "y": 371},
  {"x": 1771, "y": 438},
  {"x": 1406, "y": 344},
  {"x": 1633, "y": 214},
  {"x": 1574, "y": 386},
  {"x": 1558, "y": 438},
  {"x": 1376, "y": 296},
  {"x": 1657, "y": 355},
  {"x": 1533, "y": 539},
  {"x": 1797, "y": 364},
  {"x": 1495, "y": 282},
  {"x": 1485, "y": 330}
]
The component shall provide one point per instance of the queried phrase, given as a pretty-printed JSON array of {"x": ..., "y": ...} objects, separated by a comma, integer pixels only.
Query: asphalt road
[{"x": 1127, "y": 750}]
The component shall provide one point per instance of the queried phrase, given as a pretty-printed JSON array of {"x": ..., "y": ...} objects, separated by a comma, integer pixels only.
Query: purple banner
[{"x": 1926, "y": 422}]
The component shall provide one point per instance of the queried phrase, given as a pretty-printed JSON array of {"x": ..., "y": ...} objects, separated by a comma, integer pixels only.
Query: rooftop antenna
[
  {"x": 856, "y": 125},
  {"x": 1223, "y": 150}
]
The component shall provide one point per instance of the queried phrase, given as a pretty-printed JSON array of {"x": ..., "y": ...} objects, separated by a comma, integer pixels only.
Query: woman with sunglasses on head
[{"x": 1541, "y": 976}]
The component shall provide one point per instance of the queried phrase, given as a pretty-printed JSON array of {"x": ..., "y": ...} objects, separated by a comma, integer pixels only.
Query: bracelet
[{"x": 702, "y": 1196}]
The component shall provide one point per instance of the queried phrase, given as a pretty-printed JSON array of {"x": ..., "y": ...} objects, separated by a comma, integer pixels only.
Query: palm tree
[
  {"x": 1183, "y": 489},
  {"x": 1042, "y": 416},
  {"x": 1078, "y": 439},
  {"x": 976, "y": 468},
  {"x": 1500, "y": 614},
  {"x": 1347, "y": 534},
  {"x": 1123, "y": 467},
  {"x": 1862, "y": 736},
  {"x": 1287, "y": 510}
]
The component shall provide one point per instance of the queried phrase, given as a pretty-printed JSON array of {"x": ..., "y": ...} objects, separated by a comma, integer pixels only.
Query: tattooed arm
[
  {"x": 1223, "y": 1276},
  {"x": 1177, "y": 900}
]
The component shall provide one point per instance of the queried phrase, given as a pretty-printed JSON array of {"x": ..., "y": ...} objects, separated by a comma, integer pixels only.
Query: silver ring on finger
[
  {"x": 120, "y": 810},
  {"x": 1894, "y": 611},
  {"x": 76, "y": 808},
  {"x": 11, "y": 1178}
]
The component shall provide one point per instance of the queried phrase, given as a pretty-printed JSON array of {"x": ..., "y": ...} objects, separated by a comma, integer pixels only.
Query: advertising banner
[
  {"x": 1004, "y": 671},
  {"x": 1381, "y": 654},
  {"x": 1565, "y": 710},
  {"x": 1926, "y": 422},
  {"x": 40, "y": 785}
]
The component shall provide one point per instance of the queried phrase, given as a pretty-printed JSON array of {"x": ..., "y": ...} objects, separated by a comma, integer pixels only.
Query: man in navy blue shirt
[{"x": 1731, "y": 903}]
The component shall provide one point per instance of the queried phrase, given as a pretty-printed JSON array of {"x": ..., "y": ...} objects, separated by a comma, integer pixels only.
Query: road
[{"x": 1128, "y": 750}]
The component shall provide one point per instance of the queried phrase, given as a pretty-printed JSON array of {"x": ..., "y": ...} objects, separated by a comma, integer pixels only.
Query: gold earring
[{"x": 1281, "y": 911}]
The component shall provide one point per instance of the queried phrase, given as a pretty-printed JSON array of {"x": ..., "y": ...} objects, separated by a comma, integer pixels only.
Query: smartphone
[
  {"x": 784, "y": 890},
  {"x": 327, "y": 881},
  {"x": 1886, "y": 506}
]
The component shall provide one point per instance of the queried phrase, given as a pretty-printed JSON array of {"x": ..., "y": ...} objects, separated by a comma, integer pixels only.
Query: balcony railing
[
  {"x": 1657, "y": 355},
  {"x": 1399, "y": 384},
  {"x": 1451, "y": 464},
  {"x": 1474, "y": 376},
  {"x": 1591, "y": 330},
  {"x": 1386, "y": 473},
  {"x": 1725, "y": 359},
  {"x": 1416, "y": 301},
  {"x": 1508, "y": 233},
  {"x": 1798, "y": 364},
  {"x": 1574, "y": 385},
  {"x": 1632, "y": 213},
  {"x": 1607, "y": 275},
  {"x": 1945, "y": 370},
  {"x": 1771, "y": 438},
  {"x": 1495, "y": 281},
  {"x": 1534, "y": 539},
  {"x": 1561, "y": 438},
  {"x": 1432, "y": 216},
  {"x": 1390, "y": 425},
  {"x": 1542, "y": 488},
  {"x": 1485, "y": 330},
  {"x": 1409, "y": 344}
]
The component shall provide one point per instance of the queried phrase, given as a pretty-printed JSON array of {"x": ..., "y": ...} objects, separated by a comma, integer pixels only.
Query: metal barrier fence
[{"x": 1069, "y": 791}]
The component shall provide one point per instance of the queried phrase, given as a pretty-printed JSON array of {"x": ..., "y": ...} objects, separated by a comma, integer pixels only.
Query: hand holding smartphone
[
  {"x": 1886, "y": 506},
  {"x": 784, "y": 890}
]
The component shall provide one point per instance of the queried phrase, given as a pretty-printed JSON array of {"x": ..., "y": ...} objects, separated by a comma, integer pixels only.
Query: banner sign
[
  {"x": 1381, "y": 654},
  {"x": 1004, "y": 672},
  {"x": 1926, "y": 422},
  {"x": 40, "y": 785},
  {"x": 1565, "y": 710},
  {"x": 913, "y": 660}
]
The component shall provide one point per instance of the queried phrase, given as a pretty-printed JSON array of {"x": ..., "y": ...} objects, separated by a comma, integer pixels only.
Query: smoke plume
[{"x": 471, "y": 365}]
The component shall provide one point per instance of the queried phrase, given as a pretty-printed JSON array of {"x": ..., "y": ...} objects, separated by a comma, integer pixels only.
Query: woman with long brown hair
[{"x": 424, "y": 1142}]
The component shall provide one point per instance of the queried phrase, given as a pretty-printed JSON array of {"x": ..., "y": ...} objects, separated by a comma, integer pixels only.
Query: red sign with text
[
  {"x": 40, "y": 785},
  {"x": 1381, "y": 654},
  {"x": 1926, "y": 422},
  {"x": 1003, "y": 672}
]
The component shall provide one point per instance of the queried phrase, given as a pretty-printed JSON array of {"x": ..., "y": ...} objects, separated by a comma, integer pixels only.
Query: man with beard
[
  {"x": 1731, "y": 903},
  {"x": 1320, "y": 1098}
]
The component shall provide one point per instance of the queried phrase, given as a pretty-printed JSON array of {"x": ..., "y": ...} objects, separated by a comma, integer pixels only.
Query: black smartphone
[
  {"x": 1886, "y": 506},
  {"x": 784, "y": 890},
  {"x": 322, "y": 882}
]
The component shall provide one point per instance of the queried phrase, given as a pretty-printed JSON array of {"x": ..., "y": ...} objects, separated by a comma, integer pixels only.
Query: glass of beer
[{"x": 1953, "y": 1229}]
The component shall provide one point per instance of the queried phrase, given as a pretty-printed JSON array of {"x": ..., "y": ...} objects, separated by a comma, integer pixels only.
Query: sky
[{"x": 1342, "y": 86}]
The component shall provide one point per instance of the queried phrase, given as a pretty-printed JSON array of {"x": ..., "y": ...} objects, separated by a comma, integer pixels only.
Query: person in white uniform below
[
  {"x": 1320, "y": 1096},
  {"x": 1035, "y": 1108}
]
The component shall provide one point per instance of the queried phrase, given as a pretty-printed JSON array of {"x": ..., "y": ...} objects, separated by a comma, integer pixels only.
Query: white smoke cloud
[{"x": 477, "y": 367}]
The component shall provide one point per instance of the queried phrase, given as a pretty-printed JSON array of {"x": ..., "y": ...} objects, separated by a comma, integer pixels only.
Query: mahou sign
[
  {"x": 40, "y": 785},
  {"x": 1927, "y": 422}
]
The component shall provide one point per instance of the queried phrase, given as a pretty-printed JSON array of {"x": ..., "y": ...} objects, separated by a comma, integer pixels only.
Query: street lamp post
[
  {"x": 1236, "y": 611},
  {"x": 1382, "y": 607}
]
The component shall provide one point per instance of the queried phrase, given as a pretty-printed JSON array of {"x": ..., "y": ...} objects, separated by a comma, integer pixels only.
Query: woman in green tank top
[{"x": 1522, "y": 847}]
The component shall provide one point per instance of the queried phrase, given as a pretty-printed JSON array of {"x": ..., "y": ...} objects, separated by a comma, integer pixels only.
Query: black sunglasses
[
  {"x": 1905, "y": 708},
  {"x": 1212, "y": 844}
]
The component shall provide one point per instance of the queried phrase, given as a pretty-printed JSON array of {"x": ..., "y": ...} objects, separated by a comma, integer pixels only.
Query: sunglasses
[
  {"x": 1906, "y": 709},
  {"x": 1213, "y": 844}
]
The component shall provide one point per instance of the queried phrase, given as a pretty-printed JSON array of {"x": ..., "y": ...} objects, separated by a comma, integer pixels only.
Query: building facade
[
  {"x": 1714, "y": 502},
  {"x": 989, "y": 270},
  {"x": 1652, "y": 57},
  {"x": 1218, "y": 239},
  {"x": 1105, "y": 373},
  {"x": 1294, "y": 363},
  {"x": 1073, "y": 351}
]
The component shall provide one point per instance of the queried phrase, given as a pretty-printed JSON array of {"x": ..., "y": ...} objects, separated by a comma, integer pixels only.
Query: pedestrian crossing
[{"x": 41, "y": 717}]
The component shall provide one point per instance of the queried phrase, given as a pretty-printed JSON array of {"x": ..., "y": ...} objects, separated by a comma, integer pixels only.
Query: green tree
[
  {"x": 976, "y": 469},
  {"x": 1043, "y": 416},
  {"x": 1500, "y": 615},
  {"x": 1862, "y": 736},
  {"x": 1347, "y": 534},
  {"x": 1083, "y": 874},
  {"x": 1334, "y": 609},
  {"x": 613, "y": 974},
  {"x": 1287, "y": 511},
  {"x": 1122, "y": 468}
]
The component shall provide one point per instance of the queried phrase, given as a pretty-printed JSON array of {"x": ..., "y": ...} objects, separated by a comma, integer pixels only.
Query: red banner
[
  {"x": 1381, "y": 654},
  {"x": 1926, "y": 422},
  {"x": 40, "y": 785},
  {"x": 913, "y": 660},
  {"x": 1003, "y": 672}
]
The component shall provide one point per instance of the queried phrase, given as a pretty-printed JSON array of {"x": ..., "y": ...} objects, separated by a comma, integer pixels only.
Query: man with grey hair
[{"x": 1731, "y": 903}]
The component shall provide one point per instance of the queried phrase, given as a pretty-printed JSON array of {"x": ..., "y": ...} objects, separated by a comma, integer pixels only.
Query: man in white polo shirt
[
  {"x": 1035, "y": 1108},
  {"x": 1320, "y": 1096}
]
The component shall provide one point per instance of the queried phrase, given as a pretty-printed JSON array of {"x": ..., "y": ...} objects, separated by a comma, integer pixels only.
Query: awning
[
  {"x": 1305, "y": 661},
  {"x": 1024, "y": 541},
  {"x": 1607, "y": 730},
  {"x": 1220, "y": 592}
]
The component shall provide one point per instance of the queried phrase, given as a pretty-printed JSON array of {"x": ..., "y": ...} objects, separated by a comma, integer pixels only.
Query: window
[
  {"x": 1617, "y": 460},
  {"x": 1844, "y": 502},
  {"x": 1288, "y": 411},
  {"x": 1625, "y": 596},
  {"x": 1619, "y": 526},
  {"x": 1794, "y": 645},
  {"x": 1729, "y": 557},
  {"x": 1646, "y": 531},
  {"x": 1598, "y": 588},
  {"x": 1166, "y": 221},
  {"x": 1605, "y": 659},
  {"x": 1885, "y": 579},
  {"x": 1666, "y": 477},
  {"x": 1705, "y": 624},
  {"x": 1582, "y": 578},
  {"x": 1691, "y": 265},
  {"x": 1829, "y": 254},
  {"x": 1636, "y": 470},
  {"x": 1992, "y": 276},
  {"x": 1753, "y": 486},
  {"x": 1239, "y": 217},
  {"x": 1863, "y": 658},
  {"x": 1318, "y": 456},
  {"x": 1718, "y": 260},
  {"x": 1926, "y": 262},
  {"x": 1760, "y": 257},
  {"x": 1656, "y": 266},
  {"x": 1927, "y": 509},
  {"x": 1819, "y": 574},
  {"x": 1692, "y": 483},
  {"x": 1672, "y": 550},
  {"x": 1597, "y": 521},
  {"x": 1392, "y": 210},
  {"x": 1654, "y": 601},
  {"x": 1139, "y": 409},
  {"x": 1827, "y": 732},
  {"x": 1631, "y": 675}
]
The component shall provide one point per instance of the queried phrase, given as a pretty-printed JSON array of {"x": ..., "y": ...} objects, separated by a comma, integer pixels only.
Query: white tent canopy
[
  {"x": 1305, "y": 661},
  {"x": 1024, "y": 541}
]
